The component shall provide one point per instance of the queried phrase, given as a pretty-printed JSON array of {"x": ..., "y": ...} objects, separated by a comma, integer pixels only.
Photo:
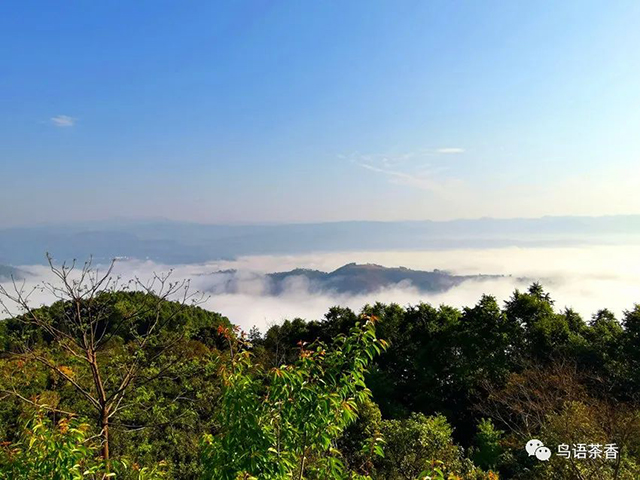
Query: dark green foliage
[
  {"x": 418, "y": 443},
  {"x": 457, "y": 391},
  {"x": 514, "y": 364},
  {"x": 488, "y": 448}
]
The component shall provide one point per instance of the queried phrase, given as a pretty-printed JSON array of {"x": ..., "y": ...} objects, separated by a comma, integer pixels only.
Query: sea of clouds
[{"x": 585, "y": 278}]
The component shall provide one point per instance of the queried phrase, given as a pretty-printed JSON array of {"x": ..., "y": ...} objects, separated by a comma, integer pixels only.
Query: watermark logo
[
  {"x": 591, "y": 451},
  {"x": 578, "y": 451},
  {"x": 537, "y": 448}
]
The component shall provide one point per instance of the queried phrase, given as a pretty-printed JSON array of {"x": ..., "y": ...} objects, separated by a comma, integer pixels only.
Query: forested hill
[
  {"x": 350, "y": 279},
  {"x": 462, "y": 389},
  {"x": 368, "y": 278}
]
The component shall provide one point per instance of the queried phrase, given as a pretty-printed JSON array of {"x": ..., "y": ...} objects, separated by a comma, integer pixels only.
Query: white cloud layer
[{"x": 584, "y": 278}]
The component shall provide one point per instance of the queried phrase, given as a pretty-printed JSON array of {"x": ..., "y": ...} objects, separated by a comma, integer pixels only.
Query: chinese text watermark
[{"x": 578, "y": 451}]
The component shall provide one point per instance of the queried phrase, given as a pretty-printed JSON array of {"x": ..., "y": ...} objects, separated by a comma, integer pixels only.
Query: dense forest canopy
[{"x": 154, "y": 386}]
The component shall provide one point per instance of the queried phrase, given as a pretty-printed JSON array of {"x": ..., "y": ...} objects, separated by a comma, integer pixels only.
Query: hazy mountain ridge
[
  {"x": 181, "y": 242},
  {"x": 351, "y": 279}
]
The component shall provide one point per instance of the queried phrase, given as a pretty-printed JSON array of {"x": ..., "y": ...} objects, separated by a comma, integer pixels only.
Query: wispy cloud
[
  {"x": 404, "y": 158},
  {"x": 62, "y": 121},
  {"x": 450, "y": 150},
  {"x": 423, "y": 181},
  {"x": 419, "y": 169}
]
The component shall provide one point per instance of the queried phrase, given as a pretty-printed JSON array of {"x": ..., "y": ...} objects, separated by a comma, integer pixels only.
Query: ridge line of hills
[
  {"x": 181, "y": 242},
  {"x": 351, "y": 278}
]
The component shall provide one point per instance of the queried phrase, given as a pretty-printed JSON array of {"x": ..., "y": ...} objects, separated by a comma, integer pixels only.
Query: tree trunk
[{"x": 104, "y": 424}]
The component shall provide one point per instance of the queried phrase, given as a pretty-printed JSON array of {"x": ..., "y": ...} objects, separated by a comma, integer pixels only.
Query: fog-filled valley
[{"x": 586, "y": 278}]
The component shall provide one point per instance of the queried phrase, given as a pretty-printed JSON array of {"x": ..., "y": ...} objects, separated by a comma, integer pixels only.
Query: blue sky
[{"x": 318, "y": 111}]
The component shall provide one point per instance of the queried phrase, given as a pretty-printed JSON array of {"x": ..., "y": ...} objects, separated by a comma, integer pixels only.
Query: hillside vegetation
[{"x": 143, "y": 383}]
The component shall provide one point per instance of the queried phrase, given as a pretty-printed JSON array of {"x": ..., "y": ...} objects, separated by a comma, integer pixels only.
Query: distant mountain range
[
  {"x": 349, "y": 279},
  {"x": 179, "y": 242}
]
